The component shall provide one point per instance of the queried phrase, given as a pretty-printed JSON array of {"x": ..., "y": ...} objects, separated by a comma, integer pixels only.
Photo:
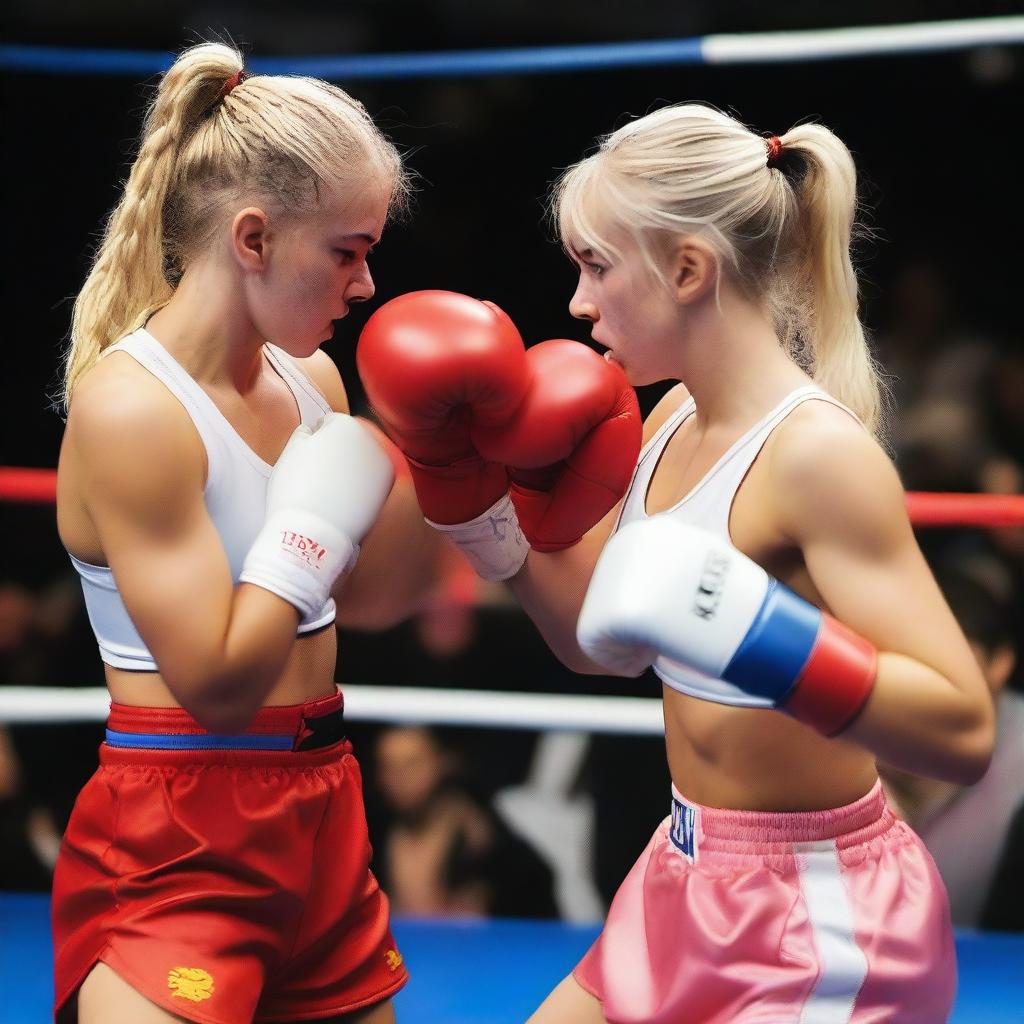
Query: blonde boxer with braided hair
[{"x": 214, "y": 495}]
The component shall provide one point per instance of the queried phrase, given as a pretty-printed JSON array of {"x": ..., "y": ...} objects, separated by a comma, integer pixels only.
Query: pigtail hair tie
[{"x": 236, "y": 79}]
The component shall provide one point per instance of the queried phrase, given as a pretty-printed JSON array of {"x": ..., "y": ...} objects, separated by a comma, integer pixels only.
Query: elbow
[
  {"x": 970, "y": 747},
  {"x": 571, "y": 655},
  {"x": 974, "y": 753},
  {"x": 219, "y": 722},
  {"x": 222, "y": 708},
  {"x": 219, "y": 717},
  {"x": 578, "y": 662}
]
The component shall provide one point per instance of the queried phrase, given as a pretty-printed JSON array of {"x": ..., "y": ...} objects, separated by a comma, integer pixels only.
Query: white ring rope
[
  {"x": 404, "y": 705},
  {"x": 823, "y": 44},
  {"x": 718, "y": 48}
]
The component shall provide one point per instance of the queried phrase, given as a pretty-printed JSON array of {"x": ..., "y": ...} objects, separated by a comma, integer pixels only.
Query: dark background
[{"x": 933, "y": 136}]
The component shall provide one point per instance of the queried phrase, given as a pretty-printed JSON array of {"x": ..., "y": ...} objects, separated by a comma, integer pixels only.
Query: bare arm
[
  {"x": 551, "y": 587},
  {"x": 141, "y": 467},
  {"x": 400, "y": 558},
  {"x": 840, "y": 501}
]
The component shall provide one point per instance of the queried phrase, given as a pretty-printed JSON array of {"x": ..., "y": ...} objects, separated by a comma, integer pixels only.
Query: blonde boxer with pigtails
[
  {"x": 763, "y": 564},
  {"x": 222, "y": 509}
]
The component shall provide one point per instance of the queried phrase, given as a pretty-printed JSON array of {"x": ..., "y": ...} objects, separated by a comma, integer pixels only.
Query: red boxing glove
[
  {"x": 434, "y": 364},
  {"x": 456, "y": 390},
  {"x": 572, "y": 445}
]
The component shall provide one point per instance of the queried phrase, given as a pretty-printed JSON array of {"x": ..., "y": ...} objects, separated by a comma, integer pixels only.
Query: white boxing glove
[
  {"x": 716, "y": 626},
  {"x": 327, "y": 488}
]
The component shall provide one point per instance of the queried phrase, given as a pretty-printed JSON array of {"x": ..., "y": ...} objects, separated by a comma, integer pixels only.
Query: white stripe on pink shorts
[{"x": 751, "y": 917}]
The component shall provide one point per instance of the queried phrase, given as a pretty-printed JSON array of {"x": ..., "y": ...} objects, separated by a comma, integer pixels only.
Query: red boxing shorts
[
  {"x": 756, "y": 917},
  {"x": 226, "y": 878}
]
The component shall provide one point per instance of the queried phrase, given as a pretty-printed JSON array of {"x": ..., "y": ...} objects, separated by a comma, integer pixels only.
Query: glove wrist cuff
[
  {"x": 837, "y": 680},
  {"x": 492, "y": 542},
  {"x": 298, "y": 556}
]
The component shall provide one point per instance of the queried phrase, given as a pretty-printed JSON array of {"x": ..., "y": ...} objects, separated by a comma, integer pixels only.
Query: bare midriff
[
  {"x": 308, "y": 673},
  {"x": 742, "y": 758},
  {"x": 747, "y": 759}
]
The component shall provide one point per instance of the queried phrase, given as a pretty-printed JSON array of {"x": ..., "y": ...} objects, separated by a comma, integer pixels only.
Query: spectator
[
  {"x": 34, "y": 624},
  {"x": 928, "y": 351},
  {"x": 976, "y": 834},
  {"x": 445, "y": 852}
]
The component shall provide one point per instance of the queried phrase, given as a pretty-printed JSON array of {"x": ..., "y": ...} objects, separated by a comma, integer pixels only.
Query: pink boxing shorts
[{"x": 755, "y": 917}]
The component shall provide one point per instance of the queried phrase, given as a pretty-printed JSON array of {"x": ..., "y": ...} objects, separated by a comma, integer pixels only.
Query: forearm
[
  {"x": 918, "y": 720},
  {"x": 550, "y": 589},
  {"x": 225, "y": 681},
  {"x": 400, "y": 562}
]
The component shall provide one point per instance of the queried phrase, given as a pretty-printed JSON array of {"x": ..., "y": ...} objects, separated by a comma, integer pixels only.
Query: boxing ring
[
  {"x": 488, "y": 972},
  {"x": 498, "y": 971},
  {"x": 494, "y": 971}
]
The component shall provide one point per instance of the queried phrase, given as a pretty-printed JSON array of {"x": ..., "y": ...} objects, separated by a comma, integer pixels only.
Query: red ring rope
[
  {"x": 39, "y": 486},
  {"x": 988, "y": 510},
  {"x": 27, "y": 486}
]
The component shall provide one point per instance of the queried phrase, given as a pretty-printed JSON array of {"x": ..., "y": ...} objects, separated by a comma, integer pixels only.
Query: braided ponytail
[
  {"x": 212, "y": 137},
  {"x": 128, "y": 281}
]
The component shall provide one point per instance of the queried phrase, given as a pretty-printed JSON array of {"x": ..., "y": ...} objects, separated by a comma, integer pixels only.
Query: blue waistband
[{"x": 200, "y": 741}]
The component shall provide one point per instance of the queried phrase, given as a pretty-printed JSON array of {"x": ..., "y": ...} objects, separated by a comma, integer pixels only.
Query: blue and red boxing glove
[{"x": 715, "y": 625}]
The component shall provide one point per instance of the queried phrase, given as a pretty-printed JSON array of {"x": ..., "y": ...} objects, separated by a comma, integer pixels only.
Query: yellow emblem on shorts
[
  {"x": 393, "y": 959},
  {"x": 191, "y": 983}
]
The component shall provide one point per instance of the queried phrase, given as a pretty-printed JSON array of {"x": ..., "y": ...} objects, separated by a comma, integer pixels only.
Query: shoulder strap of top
[
  {"x": 295, "y": 377},
  {"x": 658, "y": 439},
  {"x": 740, "y": 457},
  {"x": 205, "y": 415},
  {"x": 636, "y": 494},
  {"x": 807, "y": 393}
]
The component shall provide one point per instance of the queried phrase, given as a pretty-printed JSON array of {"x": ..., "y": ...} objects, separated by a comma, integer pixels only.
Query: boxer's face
[
  {"x": 313, "y": 268},
  {"x": 631, "y": 312}
]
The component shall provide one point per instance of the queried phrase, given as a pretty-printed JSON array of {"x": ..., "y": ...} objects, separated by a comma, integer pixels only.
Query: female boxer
[
  {"x": 761, "y": 515},
  {"x": 215, "y": 868}
]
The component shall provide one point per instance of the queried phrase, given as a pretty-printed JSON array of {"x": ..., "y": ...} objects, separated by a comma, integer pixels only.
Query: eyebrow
[{"x": 361, "y": 236}]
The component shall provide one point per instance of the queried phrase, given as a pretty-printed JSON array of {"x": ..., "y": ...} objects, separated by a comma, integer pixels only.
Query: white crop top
[
  {"x": 709, "y": 504},
  {"x": 235, "y": 493}
]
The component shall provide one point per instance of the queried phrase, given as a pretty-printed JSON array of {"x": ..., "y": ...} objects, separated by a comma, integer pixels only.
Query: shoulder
[
  {"x": 829, "y": 475},
  {"x": 129, "y": 434},
  {"x": 322, "y": 371},
  {"x": 660, "y": 414}
]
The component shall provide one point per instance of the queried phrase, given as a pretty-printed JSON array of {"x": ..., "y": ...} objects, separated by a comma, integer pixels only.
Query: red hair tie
[
  {"x": 774, "y": 145},
  {"x": 238, "y": 77}
]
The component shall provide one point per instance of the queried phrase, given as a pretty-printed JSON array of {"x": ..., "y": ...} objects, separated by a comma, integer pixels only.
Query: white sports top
[
  {"x": 709, "y": 504},
  {"x": 235, "y": 493}
]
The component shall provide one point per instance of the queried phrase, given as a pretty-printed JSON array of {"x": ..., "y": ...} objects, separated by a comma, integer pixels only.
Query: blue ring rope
[
  {"x": 441, "y": 64},
  {"x": 748, "y": 48}
]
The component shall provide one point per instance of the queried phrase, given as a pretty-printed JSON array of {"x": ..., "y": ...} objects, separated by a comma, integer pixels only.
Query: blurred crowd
[{"x": 503, "y": 822}]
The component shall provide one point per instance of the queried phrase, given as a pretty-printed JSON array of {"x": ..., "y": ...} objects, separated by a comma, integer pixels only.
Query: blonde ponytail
[
  {"x": 204, "y": 146},
  {"x": 784, "y": 229},
  {"x": 128, "y": 281},
  {"x": 826, "y": 195}
]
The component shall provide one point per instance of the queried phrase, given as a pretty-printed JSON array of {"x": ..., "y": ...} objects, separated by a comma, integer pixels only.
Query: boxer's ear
[
  {"x": 249, "y": 236},
  {"x": 694, "y": 267}
]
